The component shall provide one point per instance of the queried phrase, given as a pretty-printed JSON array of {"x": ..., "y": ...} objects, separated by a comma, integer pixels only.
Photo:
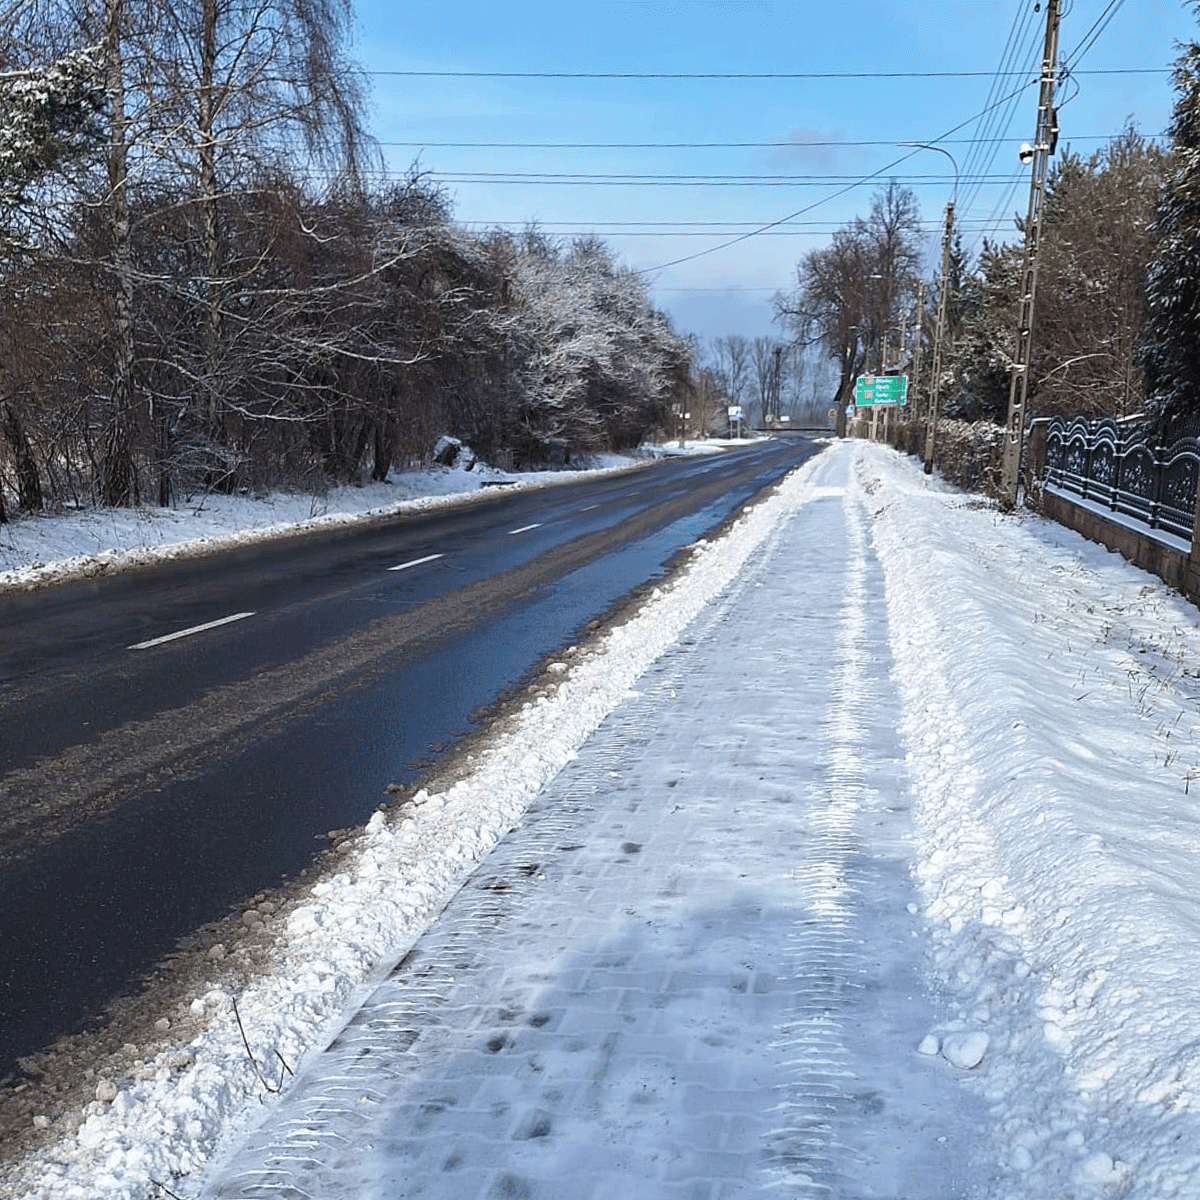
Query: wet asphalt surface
[{"x": 148, "y": 791}]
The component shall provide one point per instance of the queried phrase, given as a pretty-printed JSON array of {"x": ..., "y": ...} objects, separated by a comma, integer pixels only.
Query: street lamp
[{"x": 943, "y": 284}]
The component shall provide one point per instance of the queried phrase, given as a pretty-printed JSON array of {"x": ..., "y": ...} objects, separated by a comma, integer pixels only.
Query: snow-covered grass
[
  {"x": 1052, "y": 716},
  {"x": 39, "y": 550}
]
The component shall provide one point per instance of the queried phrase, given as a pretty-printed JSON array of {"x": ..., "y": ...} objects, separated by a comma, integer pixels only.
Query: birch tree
[{"x": 250, "y": 88}]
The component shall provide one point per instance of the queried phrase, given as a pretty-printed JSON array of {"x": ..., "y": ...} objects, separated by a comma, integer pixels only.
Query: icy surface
[{"x": 987, "y": 730}]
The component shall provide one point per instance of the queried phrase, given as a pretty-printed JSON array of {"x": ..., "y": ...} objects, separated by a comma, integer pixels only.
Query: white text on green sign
[{"x": 880, "y": 389}]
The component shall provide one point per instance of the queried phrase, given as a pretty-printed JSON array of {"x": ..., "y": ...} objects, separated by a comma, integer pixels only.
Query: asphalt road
[{"x": 177, "y": 738}]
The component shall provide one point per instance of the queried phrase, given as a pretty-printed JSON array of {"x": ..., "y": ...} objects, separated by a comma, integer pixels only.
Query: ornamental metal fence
[{"x": 1115, "y": 465}]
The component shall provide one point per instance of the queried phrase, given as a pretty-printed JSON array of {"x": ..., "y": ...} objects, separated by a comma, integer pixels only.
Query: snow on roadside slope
[
  {"x": 40, "y": 550},
  {"x": 167, "y": 1118},
  {"x": 1052, "y": 711}
]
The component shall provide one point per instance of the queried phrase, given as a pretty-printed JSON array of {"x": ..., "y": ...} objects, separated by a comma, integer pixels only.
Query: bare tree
[
  {"x": 768, "y": 355},
  {"x": 245, "y": 86},
  {"x": 732, "y": 360},
  {"x": 891, "y": 237},
  {"x": 830, "y": 308},
  {"x": 850, "y": 295}
]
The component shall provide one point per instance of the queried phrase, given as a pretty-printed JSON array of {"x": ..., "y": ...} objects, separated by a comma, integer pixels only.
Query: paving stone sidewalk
[{"x": 694, "y": 970}]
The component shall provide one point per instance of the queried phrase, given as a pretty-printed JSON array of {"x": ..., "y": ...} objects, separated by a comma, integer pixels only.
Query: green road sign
[{"x": 873, "y": 390}]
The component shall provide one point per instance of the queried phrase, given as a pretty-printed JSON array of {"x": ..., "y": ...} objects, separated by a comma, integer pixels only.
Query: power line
[
  {"x": 1000, "y": 213},
  {"x": 783, "y": 145},
  {"x": 992, "y": 122},
  {"x": 621, "y": 225},
  {"x": 996, "y": 120},
  {"x": 620, "y": 177},
  {"x": 1089, "y": 38},
  {"x": 732, "y": 287},
  {"x": 947, "y": 180},
  {"x": 584, "y": 231},
  {"x": 817, "y": 203},
  {"x": 788, "y": 75}
]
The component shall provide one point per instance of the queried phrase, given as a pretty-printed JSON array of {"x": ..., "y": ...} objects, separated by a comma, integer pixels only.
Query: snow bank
[
  {"x": 1052, "y": 713},
  {"x": 40, "y": 550}
]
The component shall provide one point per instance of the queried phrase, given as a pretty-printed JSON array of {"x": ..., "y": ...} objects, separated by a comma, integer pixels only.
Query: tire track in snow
[{"x": 823, "y": 948}]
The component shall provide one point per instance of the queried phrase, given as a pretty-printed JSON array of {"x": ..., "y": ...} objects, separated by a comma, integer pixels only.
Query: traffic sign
[{"x": 874, "y": 390}]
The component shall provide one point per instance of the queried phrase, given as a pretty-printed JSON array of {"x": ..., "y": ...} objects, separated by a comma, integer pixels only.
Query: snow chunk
[
  {"x": 1099, "y": 1168},
  {"x": 965, "y": 1050}
]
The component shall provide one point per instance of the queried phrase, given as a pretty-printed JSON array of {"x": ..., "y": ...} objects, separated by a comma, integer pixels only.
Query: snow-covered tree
[
  {"x": 50, "y": 111},
  {"x": 602, "y": 364},
  {"x": 980, "y": 333},
  {"x": 47, "y": 113},
  {"x": 1170, "y": 349},
  {"x": 1091, "y": 301}
]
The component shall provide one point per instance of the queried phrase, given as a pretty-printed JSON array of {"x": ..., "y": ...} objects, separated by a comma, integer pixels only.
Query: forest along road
[{"x": 178, "y": 738}]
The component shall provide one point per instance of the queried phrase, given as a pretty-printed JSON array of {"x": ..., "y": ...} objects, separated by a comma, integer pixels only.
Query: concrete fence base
[{"x": 1171, "y": 559}]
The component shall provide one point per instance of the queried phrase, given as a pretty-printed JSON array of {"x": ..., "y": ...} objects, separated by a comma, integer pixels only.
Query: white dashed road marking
[
  {"x": 525, "y": 528},
  {"x": 416, "y": 562},
  {"x": 182, "y": 633}
]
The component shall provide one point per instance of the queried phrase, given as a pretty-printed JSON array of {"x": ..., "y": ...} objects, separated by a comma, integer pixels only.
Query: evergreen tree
[
  {"x": 1091, "y": 302},
  {"x": 980, "y": 334},
  {"x": 1170, "y": 349}
]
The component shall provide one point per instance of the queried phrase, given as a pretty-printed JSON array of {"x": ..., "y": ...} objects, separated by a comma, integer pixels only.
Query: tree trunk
[
  {"x": 29, "y": 484},
  {"x": 206, "y": 142},
  {"x": 117, "y": 484},
  {"x": 385, "y": 446}
]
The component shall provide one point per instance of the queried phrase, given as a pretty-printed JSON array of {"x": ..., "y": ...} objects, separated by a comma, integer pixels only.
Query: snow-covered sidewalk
[
  {"x": 862, "y": 861},
  {"x": 692, "y": 970}
]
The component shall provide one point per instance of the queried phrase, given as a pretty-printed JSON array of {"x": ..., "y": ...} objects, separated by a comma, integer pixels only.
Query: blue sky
[{"x": 809, "y": 135}]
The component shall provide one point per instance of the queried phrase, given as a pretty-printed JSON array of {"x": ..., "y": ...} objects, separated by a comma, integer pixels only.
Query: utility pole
[
  {"x": 918, "y": 321},
  {"x": 776, "y": 385},
  {"x": 935, "y": 379},
  {"x": 1039, "y": 155}
]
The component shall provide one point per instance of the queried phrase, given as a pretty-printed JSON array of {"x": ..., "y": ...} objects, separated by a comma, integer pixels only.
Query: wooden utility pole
[
  {"x": 1039, "y": 155},
  {"x": 918, "y": 327}
]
